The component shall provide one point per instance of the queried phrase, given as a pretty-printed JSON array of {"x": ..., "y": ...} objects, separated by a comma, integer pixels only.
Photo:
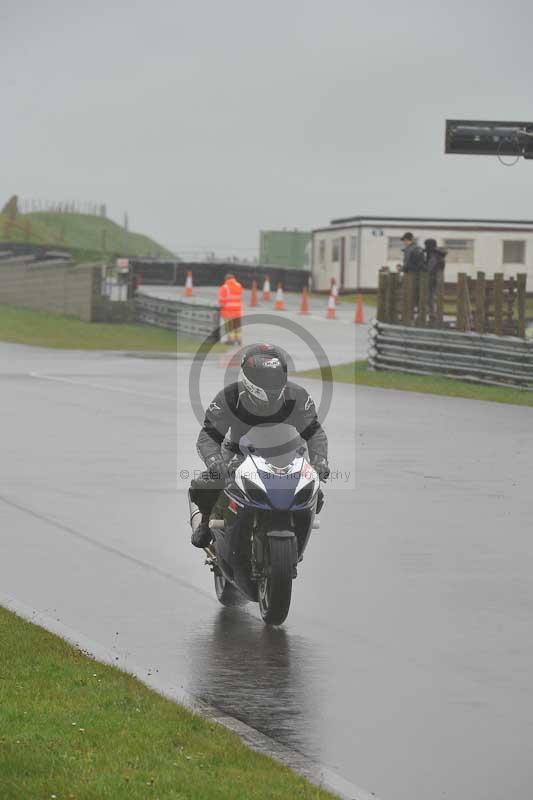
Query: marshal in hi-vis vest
[{"x": 230, "y": 299}]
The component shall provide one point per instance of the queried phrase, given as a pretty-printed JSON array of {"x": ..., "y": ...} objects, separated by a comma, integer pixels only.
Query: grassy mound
[{"x": 83, "y": 232}]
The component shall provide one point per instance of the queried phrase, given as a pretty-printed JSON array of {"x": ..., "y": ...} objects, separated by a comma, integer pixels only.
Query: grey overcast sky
[{"x": 208, "y": 121}]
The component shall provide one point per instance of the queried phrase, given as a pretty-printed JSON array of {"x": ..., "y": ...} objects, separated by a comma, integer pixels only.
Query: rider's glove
[
  {"x": 216, "y": 467},
  {"x": 322, "y": 468},
  {"x": 233, "y": 466}
]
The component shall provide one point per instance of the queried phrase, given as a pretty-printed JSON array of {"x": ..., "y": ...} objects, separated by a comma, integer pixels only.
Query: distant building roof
[
  {"x": 430, "y": 222},
  {"x": 440, "y": 220}
]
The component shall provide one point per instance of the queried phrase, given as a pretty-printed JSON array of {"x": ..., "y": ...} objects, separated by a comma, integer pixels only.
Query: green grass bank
[
  {"x": 359, "y": 374},
  {"x": 74, "y": 729},
  {"x": 21, "y": 326}
]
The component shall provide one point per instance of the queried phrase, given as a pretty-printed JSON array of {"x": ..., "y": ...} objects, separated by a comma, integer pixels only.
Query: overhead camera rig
[{"x": 489, "y": 138}]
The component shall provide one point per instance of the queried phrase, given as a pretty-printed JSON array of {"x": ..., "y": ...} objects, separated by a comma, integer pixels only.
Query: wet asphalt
[{"x": 405, "y": 664}]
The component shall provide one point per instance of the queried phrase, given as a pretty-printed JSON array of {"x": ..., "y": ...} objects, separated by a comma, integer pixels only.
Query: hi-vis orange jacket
[{"x": 230, "y": 299}]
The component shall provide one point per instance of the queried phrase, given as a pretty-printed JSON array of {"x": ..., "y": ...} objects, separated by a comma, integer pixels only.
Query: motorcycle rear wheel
[
  {"x": 227, "y": 594},
  {"x": 275, "y": 589}
]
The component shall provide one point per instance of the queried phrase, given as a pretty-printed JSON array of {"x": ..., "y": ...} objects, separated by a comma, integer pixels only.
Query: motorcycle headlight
[
  {"x": 254, "y": 491},
  {"x": 305, "y": 494}
]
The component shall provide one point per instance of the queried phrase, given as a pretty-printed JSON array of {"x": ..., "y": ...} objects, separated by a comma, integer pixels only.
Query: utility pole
[{"x": 126, "y": 223}]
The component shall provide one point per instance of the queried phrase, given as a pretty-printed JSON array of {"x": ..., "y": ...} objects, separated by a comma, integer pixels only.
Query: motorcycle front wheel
[
  {"x": 227, "y": 594},
  {"x": 275, "y": 589}
]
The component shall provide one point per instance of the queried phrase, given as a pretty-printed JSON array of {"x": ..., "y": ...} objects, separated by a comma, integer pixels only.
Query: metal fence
[
  {"x": 32, "y": 252},
  {"x": 192, "y": 317},
  {"x": 174, "y": 273},
  {"x": 482, "y": 358}
]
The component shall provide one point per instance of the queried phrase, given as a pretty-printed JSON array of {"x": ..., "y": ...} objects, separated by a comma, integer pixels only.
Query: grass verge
[
  {"x": 37, "y": 328},
  {"x": 359, "y": 374},
  {"x": 369, "y": 299},
  {"x": 75, "y": 729}
]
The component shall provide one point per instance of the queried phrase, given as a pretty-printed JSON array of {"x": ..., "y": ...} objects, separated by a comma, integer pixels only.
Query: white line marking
[{"x": 42, "y": 376}]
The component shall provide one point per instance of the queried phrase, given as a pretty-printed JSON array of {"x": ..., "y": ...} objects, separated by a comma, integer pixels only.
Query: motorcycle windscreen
[
  {"x": 280, "y": 489},
  {"x": 277, "y": 443}
]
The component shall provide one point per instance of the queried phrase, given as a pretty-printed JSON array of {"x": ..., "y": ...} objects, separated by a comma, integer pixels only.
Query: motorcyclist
[{"x": 261, "y": 395}]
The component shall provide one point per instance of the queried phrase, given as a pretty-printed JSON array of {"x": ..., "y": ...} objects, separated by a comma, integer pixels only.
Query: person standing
[
  {"x": 230, "y": 304},
  {"x": 435, "y": 258},
  {"x": 413, "y": 255},
  {"x": 413, "y": 261}
]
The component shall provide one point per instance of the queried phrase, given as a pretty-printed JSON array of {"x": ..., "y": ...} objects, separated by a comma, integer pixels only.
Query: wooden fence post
[
  {"x": 423, "y": 298},
  {"x": 489, "y": 302},
  {"x": 382, "y": 294},
  {"x": 470, "y": 288},
  {"x": 408, "y": 298},
  {"x": 480, "y": 302},
  {"x": 498, "y": 303},
  {"x": 462, "y": 290},
  {"x": 521, "y": 279},
  {"x": 460, "y": 304},
  {"x": 510, "y": 303},
  {"x": 394, "y": 279},
  {"x": 439, "y": 299},
  {"x": 389, "y": 298}
]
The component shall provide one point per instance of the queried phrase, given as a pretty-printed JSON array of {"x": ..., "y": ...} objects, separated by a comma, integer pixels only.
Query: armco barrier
[
  {"x": 37, "y": 252},
  {"x": 483, "y": 358},
  {"x": 192, "y": 318}
]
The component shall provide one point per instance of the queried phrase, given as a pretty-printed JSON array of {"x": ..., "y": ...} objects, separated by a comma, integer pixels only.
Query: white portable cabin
[{"x": 352, "y": 250}]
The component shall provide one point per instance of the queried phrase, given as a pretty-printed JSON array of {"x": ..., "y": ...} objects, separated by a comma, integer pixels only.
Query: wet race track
[{"x": 405, "y": 664}]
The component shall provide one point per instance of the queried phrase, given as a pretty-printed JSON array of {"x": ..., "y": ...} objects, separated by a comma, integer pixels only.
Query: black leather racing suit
[{"x": 229, "y": 418}]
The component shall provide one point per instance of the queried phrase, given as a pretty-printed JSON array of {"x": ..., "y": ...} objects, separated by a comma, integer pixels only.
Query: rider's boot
[{"x": 201, "y": 535}]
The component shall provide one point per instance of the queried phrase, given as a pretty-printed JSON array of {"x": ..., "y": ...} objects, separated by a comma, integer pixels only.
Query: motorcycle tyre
[{"x": 276, "y": 588}]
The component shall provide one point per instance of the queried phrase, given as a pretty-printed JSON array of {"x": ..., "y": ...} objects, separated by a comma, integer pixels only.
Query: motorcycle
[{"x": 264, "y": 522}]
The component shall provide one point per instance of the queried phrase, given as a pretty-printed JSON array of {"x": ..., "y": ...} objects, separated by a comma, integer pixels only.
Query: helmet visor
[{"x": 263, "y": 395}]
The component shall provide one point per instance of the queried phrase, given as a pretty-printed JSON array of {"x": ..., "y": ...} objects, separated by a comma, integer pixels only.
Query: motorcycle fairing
[{"x": 280, "y": 485}]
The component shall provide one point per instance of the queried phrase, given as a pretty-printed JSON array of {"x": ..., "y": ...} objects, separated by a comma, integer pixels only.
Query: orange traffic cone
[
  {"x": 188, "y": 285},
  {"x": 279, "y": 305},
  {"x": 266, "y": 288},
  {"x": 304, "y": 303},
  {"x": 331, "y": 312},
  {"x": 253, "y": 294},
  {"x": 359, "y": 310}
]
